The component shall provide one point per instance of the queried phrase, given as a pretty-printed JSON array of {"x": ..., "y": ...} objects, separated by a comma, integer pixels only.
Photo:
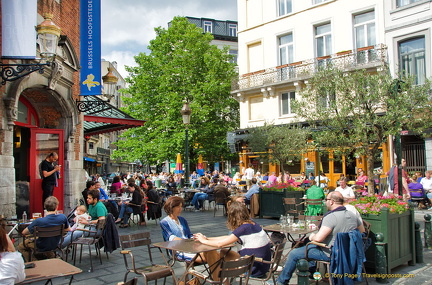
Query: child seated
[
  {"x": 74, "y": 231},
  {"x": 80, "y": 212}
]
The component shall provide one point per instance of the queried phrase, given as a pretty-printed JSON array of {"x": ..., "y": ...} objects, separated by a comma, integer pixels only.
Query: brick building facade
[{"x": 38, "y": 115}]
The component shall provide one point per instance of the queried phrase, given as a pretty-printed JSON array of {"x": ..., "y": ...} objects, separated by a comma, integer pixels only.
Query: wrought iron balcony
[{"x": 367, "y": 57}]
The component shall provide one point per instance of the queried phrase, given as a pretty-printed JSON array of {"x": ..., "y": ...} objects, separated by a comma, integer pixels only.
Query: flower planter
[
  {"x": 398, "y": 232},
  {"x": 271, "y": 203}
]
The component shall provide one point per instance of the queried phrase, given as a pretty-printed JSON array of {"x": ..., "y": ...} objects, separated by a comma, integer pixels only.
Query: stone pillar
[{"x": 428, "y": 152}]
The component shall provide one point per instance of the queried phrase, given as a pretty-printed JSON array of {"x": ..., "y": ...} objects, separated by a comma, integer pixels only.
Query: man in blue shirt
[
  {"x": 253, "y": 190},
  {"x": 51, "y": 219}
]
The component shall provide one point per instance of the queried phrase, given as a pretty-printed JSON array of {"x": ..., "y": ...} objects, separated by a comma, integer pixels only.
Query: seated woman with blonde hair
[{"x": 251, "y": 237}]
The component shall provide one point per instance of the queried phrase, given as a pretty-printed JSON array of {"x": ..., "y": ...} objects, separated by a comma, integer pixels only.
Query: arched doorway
[{"x": 36, "y": 134}]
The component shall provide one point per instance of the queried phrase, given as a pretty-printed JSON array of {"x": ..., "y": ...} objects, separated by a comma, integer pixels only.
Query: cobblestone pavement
[{"x": 112, "y": 270}]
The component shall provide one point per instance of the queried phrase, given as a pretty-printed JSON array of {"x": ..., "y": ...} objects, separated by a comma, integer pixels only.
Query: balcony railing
[{"x": 366, "y": 57}]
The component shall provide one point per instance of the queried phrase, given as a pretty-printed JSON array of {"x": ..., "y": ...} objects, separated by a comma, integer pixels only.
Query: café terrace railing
[{"x": 366, "y": 57}]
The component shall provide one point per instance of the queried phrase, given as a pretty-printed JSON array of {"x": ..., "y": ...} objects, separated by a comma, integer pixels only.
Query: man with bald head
[{"x": 337, "y": 220}]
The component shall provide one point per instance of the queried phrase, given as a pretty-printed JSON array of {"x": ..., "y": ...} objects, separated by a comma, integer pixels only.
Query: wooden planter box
[
  {"x": 398, "y": 231},
  {"x": 271, "y": 203}
]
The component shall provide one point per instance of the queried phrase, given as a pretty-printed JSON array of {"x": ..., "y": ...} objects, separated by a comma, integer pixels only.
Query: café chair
[
  {"x": 344, "y": 240},
  {"x": 150, "y": 272},
  {"x": 220, "y": 200},
  {"x": 277, "y": 253},
  {"x": 291, "y": 206},
  {"x": 46, "y": 232},
  {"x": 230, "y": 270},
  {"x": 313, "y": 206},
  {"x": 254, "y": 205},
  {"x": 90, "y": 238}
]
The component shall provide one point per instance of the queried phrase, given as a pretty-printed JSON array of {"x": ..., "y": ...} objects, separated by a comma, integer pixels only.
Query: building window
[
  {"x": 400, "y": 3},
  {"x": 91, "y": 145},
  {"x": 208, "y": 27},
  {"x": 318, "y": 1},
  {"x": 232, "y": 30},
  {"x": 286, "y": 49},
  {"x": 234, "y": 54},
  {"x": 364, "y": 29},
  {"x": 327, "y": 99},
  {"x": 412, "y": 59},
  {"x": 286, "y": 102},
  {"x": 323, "y": 40},
  {"x": 285, "y": 7}
]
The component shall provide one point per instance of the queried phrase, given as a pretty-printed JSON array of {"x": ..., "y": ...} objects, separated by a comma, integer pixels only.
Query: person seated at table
[
  {"x": 302, "y": 176},
  {"x": 416, "y": 191},
  {"x": 116, "y": 186},
  {"x": 89, "y": 186},
  {"x": 314, "y": 192},
  {"x": 128, "y": 207},
  {"x": 171, "y": 186},
  {"x": 250, "y": 235},
  {"x": 337, "y": 220},
  {"x": 11, "y": 262},
  {"x": 253, "y": 190},
  {"x": 207, "y": 189},
  {"x": 75, "y": 231},
  {"x": 154, "y": 208},
  {"x": 272, "y": 178},
  {"x": 51, "y": 219},
  {"x": 96, "y": 209},
  {"x": 345, "y": 190}
]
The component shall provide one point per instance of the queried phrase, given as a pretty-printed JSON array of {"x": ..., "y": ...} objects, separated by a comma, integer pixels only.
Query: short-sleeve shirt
[
  {"x": 48, "y": 167},
  {"x": 254, "y": 240},
  {"x": 340, "y": 222},
  {"x": 346, "y": 192},
  {"x": 48, "y": 243},
  {"x": 98, "y": 210},
  {"x": 427, "y": 183}
]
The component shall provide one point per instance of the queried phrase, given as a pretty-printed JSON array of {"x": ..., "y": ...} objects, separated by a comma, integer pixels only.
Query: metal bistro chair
[
  {"x": 240, "y": 268},
  {"x": 274, "y": 263},
  {"x": 91, "y": 237},
  {"x": 220, "y": 200},
  {"x": 291, "y": 206},
  {"x": 150, "y": 272},
  {"x": 45, "y": 233}
]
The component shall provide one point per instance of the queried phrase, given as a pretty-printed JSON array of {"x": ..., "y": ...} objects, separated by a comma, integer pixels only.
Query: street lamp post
[{"x": 186, "y": 114}]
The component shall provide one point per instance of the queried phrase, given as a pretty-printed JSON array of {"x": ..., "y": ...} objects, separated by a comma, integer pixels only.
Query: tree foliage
[
  {"x": 357, "y": 111},
  {"x": 278, "y": 144},
  {"x": 182, "y": 65}
]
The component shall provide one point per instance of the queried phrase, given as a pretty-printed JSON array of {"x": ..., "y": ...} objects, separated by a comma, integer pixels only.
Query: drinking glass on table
[
  {"x": 290, "y": 220},
  {"x": 36, "y": 216}
]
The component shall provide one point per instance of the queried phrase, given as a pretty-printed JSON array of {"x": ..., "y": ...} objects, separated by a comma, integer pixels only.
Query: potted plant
[
  {"x": 392, "y": 217},
  {"x": 270, "y": 198}
]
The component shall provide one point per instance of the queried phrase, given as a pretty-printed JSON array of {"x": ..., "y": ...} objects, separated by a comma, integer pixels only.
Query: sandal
[{"x": 123, "y": 226}]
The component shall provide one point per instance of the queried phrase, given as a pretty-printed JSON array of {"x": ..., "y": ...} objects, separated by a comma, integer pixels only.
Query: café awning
[{"x": 104, "y": 118}]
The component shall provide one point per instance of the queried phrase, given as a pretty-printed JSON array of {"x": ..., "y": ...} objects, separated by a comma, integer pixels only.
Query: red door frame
[{"x": 35, "y": 179}]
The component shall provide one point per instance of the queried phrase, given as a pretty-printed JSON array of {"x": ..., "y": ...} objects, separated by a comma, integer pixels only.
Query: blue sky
[{"x": 128, "y": 25}]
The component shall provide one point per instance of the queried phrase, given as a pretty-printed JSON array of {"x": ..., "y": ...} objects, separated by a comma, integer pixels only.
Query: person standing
[
  {"x": 49, "y": 173},
  {"x": 249, "y": 174}
]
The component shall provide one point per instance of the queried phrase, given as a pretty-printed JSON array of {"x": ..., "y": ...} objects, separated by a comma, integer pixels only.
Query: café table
[
  {"x": 188, "y": 246},
  {"x": 48, "y": 269},
  {"x": 290, "y": 233}
]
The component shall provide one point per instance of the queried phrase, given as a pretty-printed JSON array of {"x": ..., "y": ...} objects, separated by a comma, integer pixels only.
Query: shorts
[{"x": 248, "y": 182}]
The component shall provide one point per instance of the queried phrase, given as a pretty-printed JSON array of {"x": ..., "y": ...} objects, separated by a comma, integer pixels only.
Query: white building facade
[{"x": 282, "y": 42}]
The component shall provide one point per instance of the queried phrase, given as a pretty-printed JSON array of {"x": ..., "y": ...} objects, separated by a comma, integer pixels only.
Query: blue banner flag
[{"x": 90, "y": 46}]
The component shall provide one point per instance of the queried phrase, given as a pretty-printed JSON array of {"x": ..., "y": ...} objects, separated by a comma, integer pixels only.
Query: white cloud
[{"x": 128, "y": 25}]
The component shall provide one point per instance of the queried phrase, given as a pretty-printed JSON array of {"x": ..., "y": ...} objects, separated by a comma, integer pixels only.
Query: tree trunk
[{"x": 370, "y": 175}]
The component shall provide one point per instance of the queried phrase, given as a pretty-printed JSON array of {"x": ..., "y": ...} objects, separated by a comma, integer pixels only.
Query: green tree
[
  {"x": 182, "y": 65},
  {"x": 357, "y": 111},
  {"x": 278, "y": 144}
]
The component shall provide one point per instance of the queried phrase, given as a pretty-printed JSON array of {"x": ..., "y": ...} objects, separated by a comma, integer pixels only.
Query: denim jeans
[
  {"x": 68, "y": 238},
  {"x": 198, "y": 200},
  {"x": 314, "y": 252},
  {"x": 124, "y": 208}
]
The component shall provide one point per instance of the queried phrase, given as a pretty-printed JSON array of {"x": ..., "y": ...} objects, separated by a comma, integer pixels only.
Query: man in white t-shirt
[
  {"x": 249, "y": 174},
  {"x": 426, "y": 182},
  {"x": 345, "y": 190}
]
